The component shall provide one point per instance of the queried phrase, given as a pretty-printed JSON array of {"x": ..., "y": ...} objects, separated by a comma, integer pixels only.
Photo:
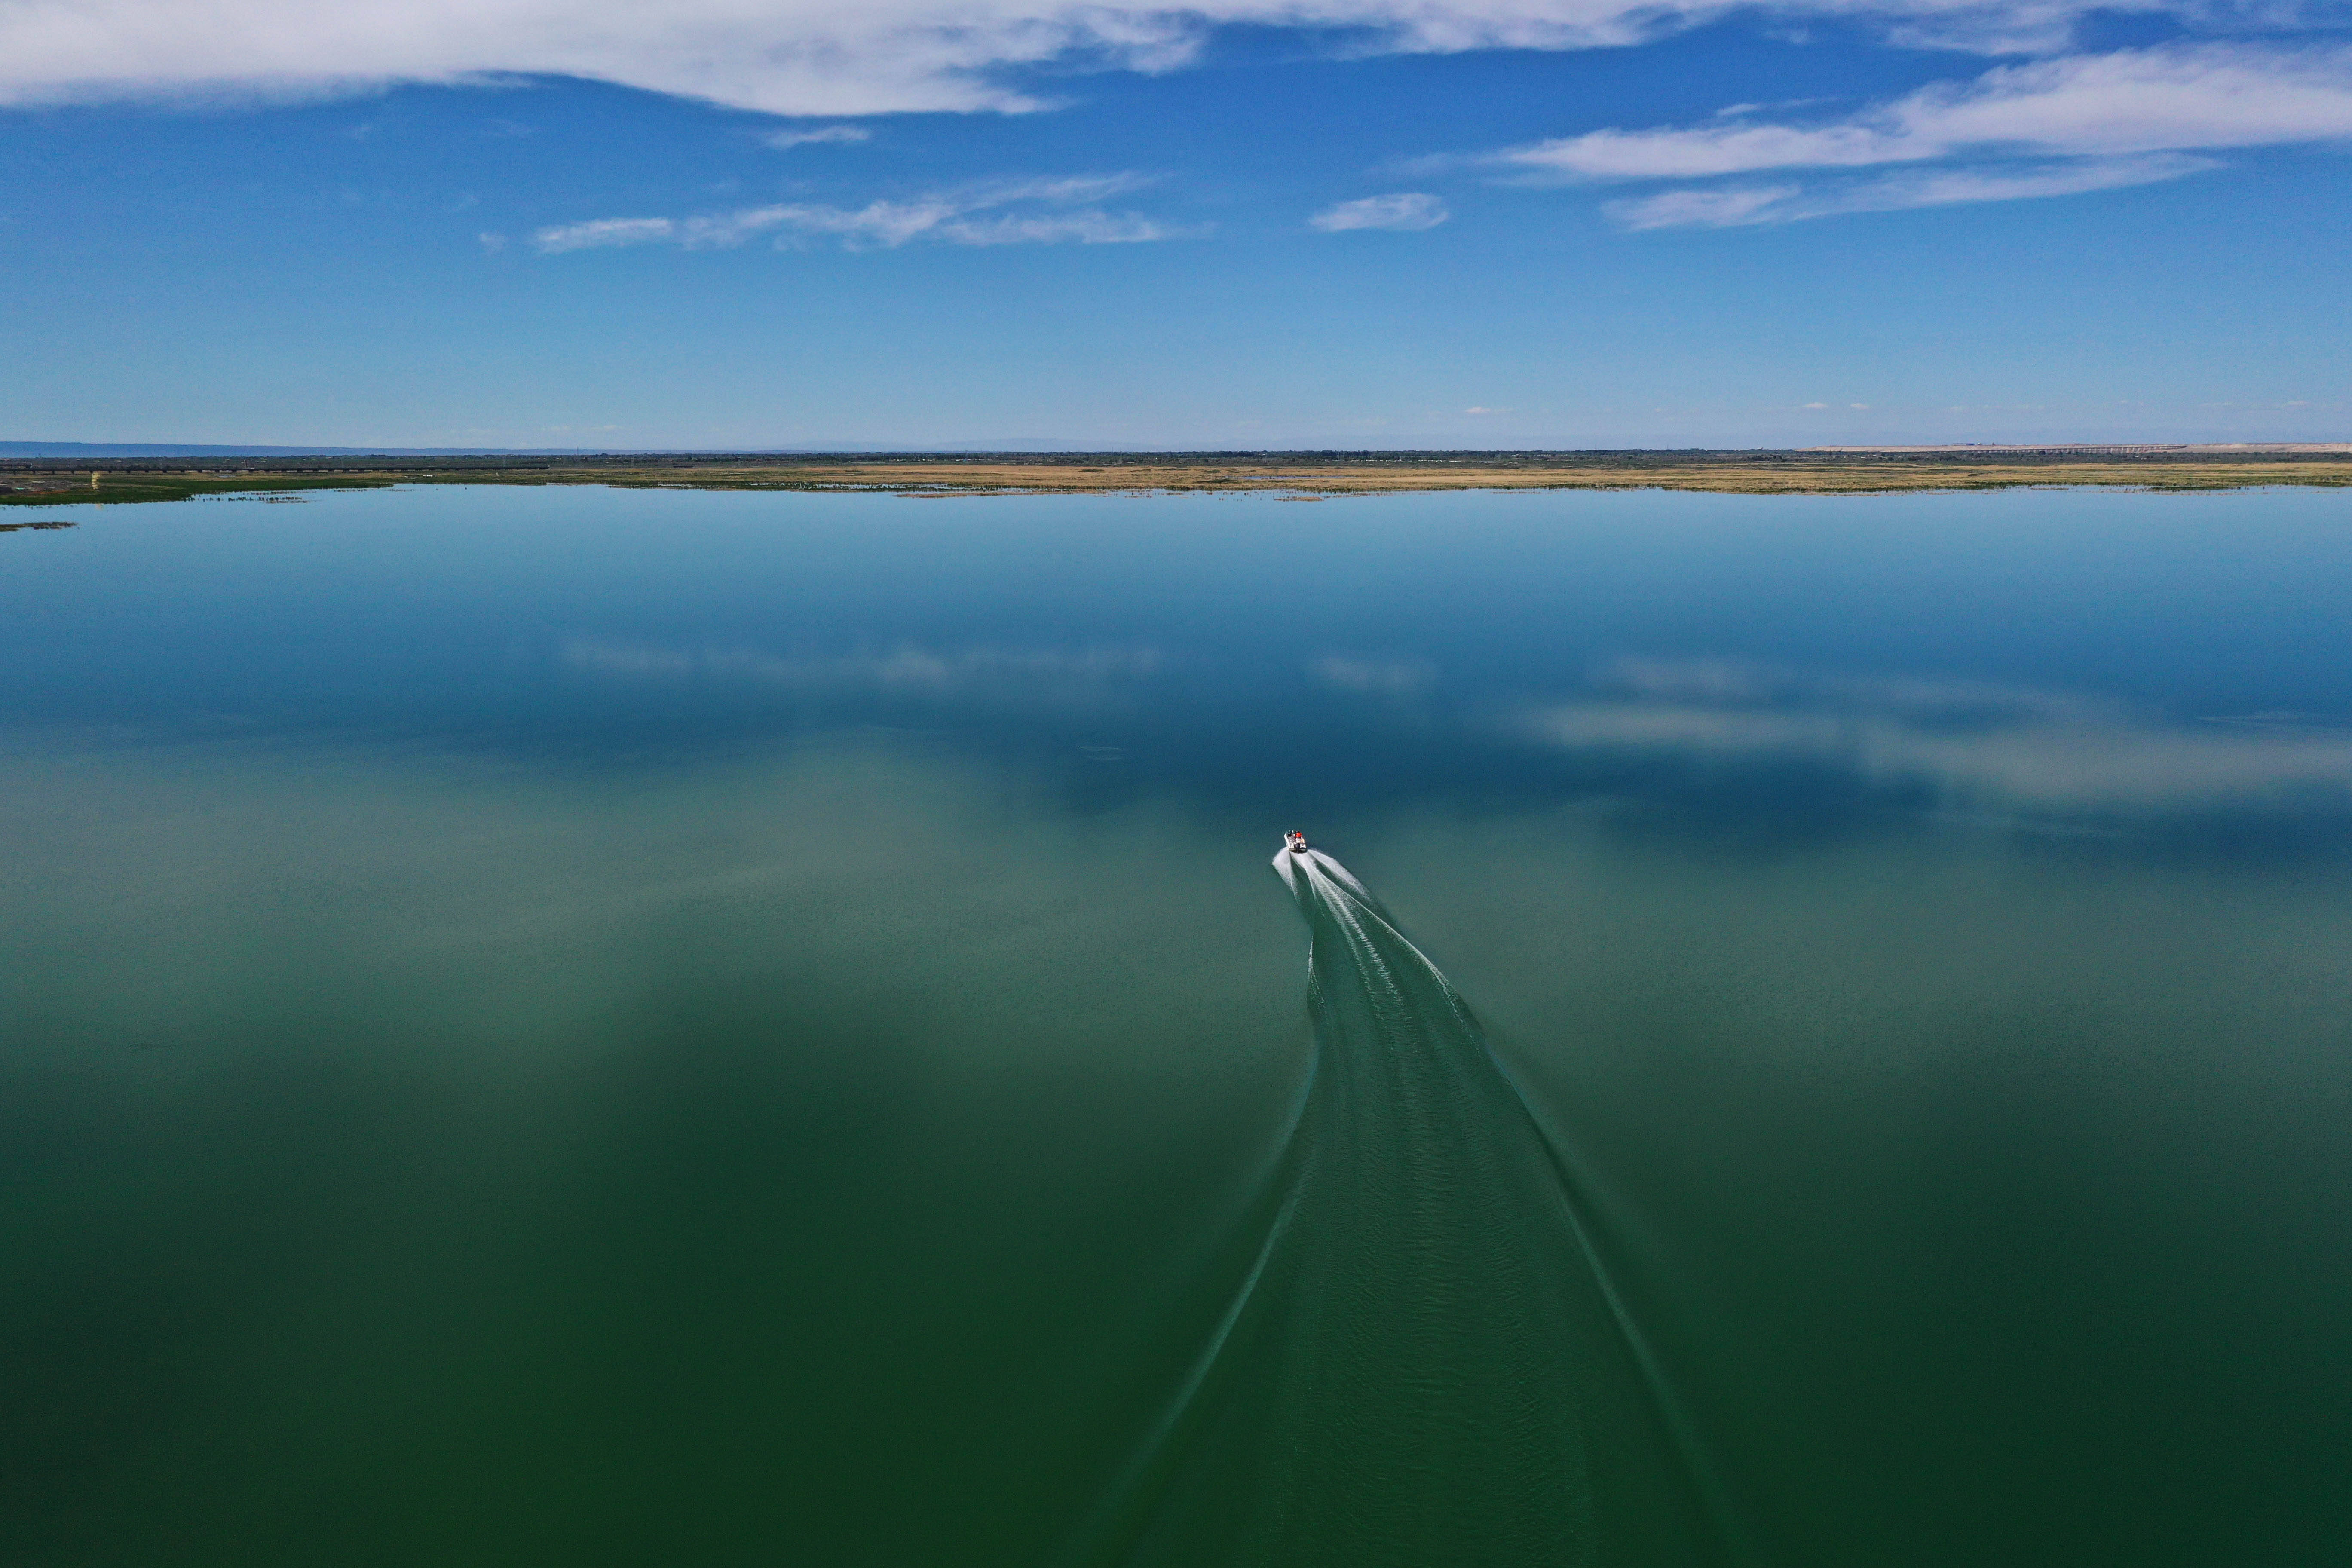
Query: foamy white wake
[{"x": 1420, "y": 1357}]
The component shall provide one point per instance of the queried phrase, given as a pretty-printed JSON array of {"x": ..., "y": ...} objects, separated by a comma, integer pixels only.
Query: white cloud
[
  {"x": 821, "y": 57},
  {"x": 1063, "y": 191},
  {"x": 1727, "y": 208},
  {"x": 942, "y": 216},
  {"x": 885, "y": 224},
  {"x": 2054, "y": 128},
  {"x": 1946, "y": 187},
  {"x": 1094, "y": 227},
  {"x": 784, "y": 141},
  {"x": 598, "y": 234},
  {"x": 2179, "y": 98},
  {"x": 1718, "y": 208},
  {"x": 1402, "y": 210}
]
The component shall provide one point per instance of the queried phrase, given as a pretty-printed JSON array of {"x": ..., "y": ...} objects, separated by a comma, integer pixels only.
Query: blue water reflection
[
  {"x": 580, "y": 1026},
  {"x": 2063, "y": 654}
]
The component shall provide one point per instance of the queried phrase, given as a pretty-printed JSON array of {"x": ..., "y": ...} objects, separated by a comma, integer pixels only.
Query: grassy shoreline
[{"x": 45, "y": 483}]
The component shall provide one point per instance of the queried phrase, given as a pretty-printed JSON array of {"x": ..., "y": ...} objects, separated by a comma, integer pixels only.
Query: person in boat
[{"x": 1296, "y": 842}]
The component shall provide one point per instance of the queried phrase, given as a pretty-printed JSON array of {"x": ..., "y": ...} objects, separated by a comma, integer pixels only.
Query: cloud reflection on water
[
  {"x": 1974, "y": 742},
  {"x": 1397, "y": 677},
  {"x": 907, "y": 669}
]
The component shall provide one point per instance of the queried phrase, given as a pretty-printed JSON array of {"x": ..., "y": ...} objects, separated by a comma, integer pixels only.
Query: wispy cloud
[
  {"x": 2184, "y": 98},
  {"x": 1721, "y": 208},
  {"x": 2061, "y": 127},
  {"x": 1736, "y": 207},
  {"x": 821, "y": 57},
  {"x": 1401, "y": 210},
  {"x": 943, "y": 216},
  {"x": 604, "y": 233},
  {"x": 784, "y": 141},
  {"x": 1092, "y": 227}
]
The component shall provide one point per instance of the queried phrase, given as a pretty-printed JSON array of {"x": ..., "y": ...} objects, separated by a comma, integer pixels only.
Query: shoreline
[{"x": 1816, "y": 471}]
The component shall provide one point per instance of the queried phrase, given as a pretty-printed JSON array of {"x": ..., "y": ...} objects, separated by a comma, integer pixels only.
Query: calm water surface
[{"x": 566, "y": 1027}]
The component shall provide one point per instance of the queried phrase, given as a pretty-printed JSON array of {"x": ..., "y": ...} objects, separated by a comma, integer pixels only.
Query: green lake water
[{"x": 577, "y": 1026}]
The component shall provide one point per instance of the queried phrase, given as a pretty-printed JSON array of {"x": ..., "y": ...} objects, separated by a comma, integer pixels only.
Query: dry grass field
[{"x": 1820, "y": 478}]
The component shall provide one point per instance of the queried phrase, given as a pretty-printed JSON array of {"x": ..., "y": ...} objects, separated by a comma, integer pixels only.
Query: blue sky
[{"x": 1354, "y": 223}]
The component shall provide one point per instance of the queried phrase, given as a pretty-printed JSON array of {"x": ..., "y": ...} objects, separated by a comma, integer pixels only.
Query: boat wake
[{"x": 1423, "y": 1359}]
